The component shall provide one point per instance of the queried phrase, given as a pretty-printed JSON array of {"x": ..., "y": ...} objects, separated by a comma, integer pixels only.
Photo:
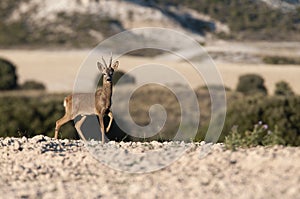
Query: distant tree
[
  {"x": 33, "y": 85},
  {"x": 127, "y": 79},
  {"x": 8, "y": 76},
  {"x": 282, "y": 88},
  {"x": 251, "y": 84}
]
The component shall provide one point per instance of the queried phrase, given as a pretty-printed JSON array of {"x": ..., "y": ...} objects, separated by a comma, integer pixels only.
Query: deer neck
[
  {"x": 107, "y": 89},
  {"x": 106, "y": 94}
]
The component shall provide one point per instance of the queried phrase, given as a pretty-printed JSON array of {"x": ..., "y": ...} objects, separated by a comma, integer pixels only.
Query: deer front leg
[
  {"x": 110, "y": 115},
  {"x": 59, "y": 123},
  {"x": 100, "y": 116}
]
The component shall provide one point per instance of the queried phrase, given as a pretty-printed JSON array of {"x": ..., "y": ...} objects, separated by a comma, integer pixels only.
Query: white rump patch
[{"x": 65, "y": 103}]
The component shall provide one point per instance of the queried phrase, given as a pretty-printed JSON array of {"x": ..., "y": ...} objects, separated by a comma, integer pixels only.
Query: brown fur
[{"x": 78, "y": 103}]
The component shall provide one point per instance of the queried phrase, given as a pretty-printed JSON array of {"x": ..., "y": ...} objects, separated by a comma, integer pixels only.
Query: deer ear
[
  {"x": 100, "y": 66},
  {"x": 115, "y": 66}
]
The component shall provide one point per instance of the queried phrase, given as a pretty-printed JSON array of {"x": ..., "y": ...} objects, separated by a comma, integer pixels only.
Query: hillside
[
  {"x": 250, "y": 20},
  {"x": 86, "y": 23},
  {"x": 83, "y": 23},
  {"x": 284, "y": 5}
]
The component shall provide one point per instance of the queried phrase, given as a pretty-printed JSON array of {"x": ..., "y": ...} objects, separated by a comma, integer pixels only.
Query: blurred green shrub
[
  {"x": 146, "y": 52},
  {"x": 32, "y": 85},
  {"x": 251, "y": 84},
  {"x": 260, "y": 135},
  {"x": 8, "y": 76},
  {"x": 245, "y": 19},
  {"x": 216, "y": 87},
  {"x": 279, "y": 111},
  {"x": 282, "y": 88},
  {"x": 30, "y": 116},
  {"x": 281, "y": 60}
]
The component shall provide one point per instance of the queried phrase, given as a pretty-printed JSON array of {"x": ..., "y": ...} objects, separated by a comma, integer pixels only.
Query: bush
[
  {"x": 8, "y": 76},
  {"x": 33, "y": 85},
  {"x": 251, "y": 84},
  {"x": 216, "y": 87},
  {"x": 282, "y": 88},
  {"x": 30, "y": 116},
  {"x": 282, "y": 112},
  {"x": 260, "y": 135},
  {"x": 127, "y": 79},
  {"x": 146, "y": 96},
  {"x": 146, "y": 52},
  {"x": 280, "y": 60}
]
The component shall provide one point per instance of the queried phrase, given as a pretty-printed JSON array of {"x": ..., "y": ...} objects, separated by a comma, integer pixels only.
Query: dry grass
[{"x": 58, "y": 69}]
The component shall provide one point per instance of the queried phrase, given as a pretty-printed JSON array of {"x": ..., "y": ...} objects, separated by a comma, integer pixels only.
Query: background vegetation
[
  {"x": 250, "y": 20},
  {"x": 69, "y": 30},
  {"x": 8, "y": 76},
  {"x": 276, "y": 117},
  {"x": 30, "y": 114},
  {"x": 278, "y": 113},
  {"x": 32, "y": 85},
  {"x": 278, "y": 60},
  {"x": 251, "y": 84}
]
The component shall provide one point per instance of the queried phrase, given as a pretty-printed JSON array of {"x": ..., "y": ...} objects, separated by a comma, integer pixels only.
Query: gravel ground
[{"x": 42, "y": 167}]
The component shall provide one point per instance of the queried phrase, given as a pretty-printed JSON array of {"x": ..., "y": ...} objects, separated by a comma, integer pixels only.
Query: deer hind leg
[
  {"x": 59, "y": 123},
  {"x": 78, "y": 127},
  {"x": 110, "y": 115}
]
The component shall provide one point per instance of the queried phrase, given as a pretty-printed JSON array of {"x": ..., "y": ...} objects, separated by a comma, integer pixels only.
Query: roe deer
[{"x": 78, "y": 103}]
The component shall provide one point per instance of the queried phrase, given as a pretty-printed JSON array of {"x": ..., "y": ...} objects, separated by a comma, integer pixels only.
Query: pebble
[
  {"x": 17, "y": 145},
  {"x": 38, "y": 138},
  {"x": 41, "y": 167}
]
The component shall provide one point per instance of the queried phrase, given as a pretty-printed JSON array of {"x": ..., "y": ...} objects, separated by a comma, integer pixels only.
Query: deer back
[{"x": 80, "y": 104}]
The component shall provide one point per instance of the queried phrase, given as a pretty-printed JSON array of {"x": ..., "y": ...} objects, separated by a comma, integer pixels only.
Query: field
[{"x": 57, "y": 69}]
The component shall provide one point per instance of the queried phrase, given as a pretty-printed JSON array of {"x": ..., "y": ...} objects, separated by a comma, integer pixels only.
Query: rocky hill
[
  {"x": 284, "y": 5},
  {"x": 83, "y": 23}
]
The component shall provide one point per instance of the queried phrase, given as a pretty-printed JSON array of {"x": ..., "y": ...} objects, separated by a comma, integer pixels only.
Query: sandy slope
[
  {"x": 58, "y": 68},
  {"x": 45, "y": 168}
]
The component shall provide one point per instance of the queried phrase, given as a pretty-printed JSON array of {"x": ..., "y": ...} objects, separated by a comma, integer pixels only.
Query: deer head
[{"x": 107, "y": 70}]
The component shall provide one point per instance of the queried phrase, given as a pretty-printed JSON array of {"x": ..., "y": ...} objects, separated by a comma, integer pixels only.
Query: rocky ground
[{"x": 41, "y": 167}]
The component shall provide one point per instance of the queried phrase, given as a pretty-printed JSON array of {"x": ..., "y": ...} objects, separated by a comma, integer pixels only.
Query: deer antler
[
  {"x": 110, "y": 61},
  {"x": 104, "y": 62}
]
